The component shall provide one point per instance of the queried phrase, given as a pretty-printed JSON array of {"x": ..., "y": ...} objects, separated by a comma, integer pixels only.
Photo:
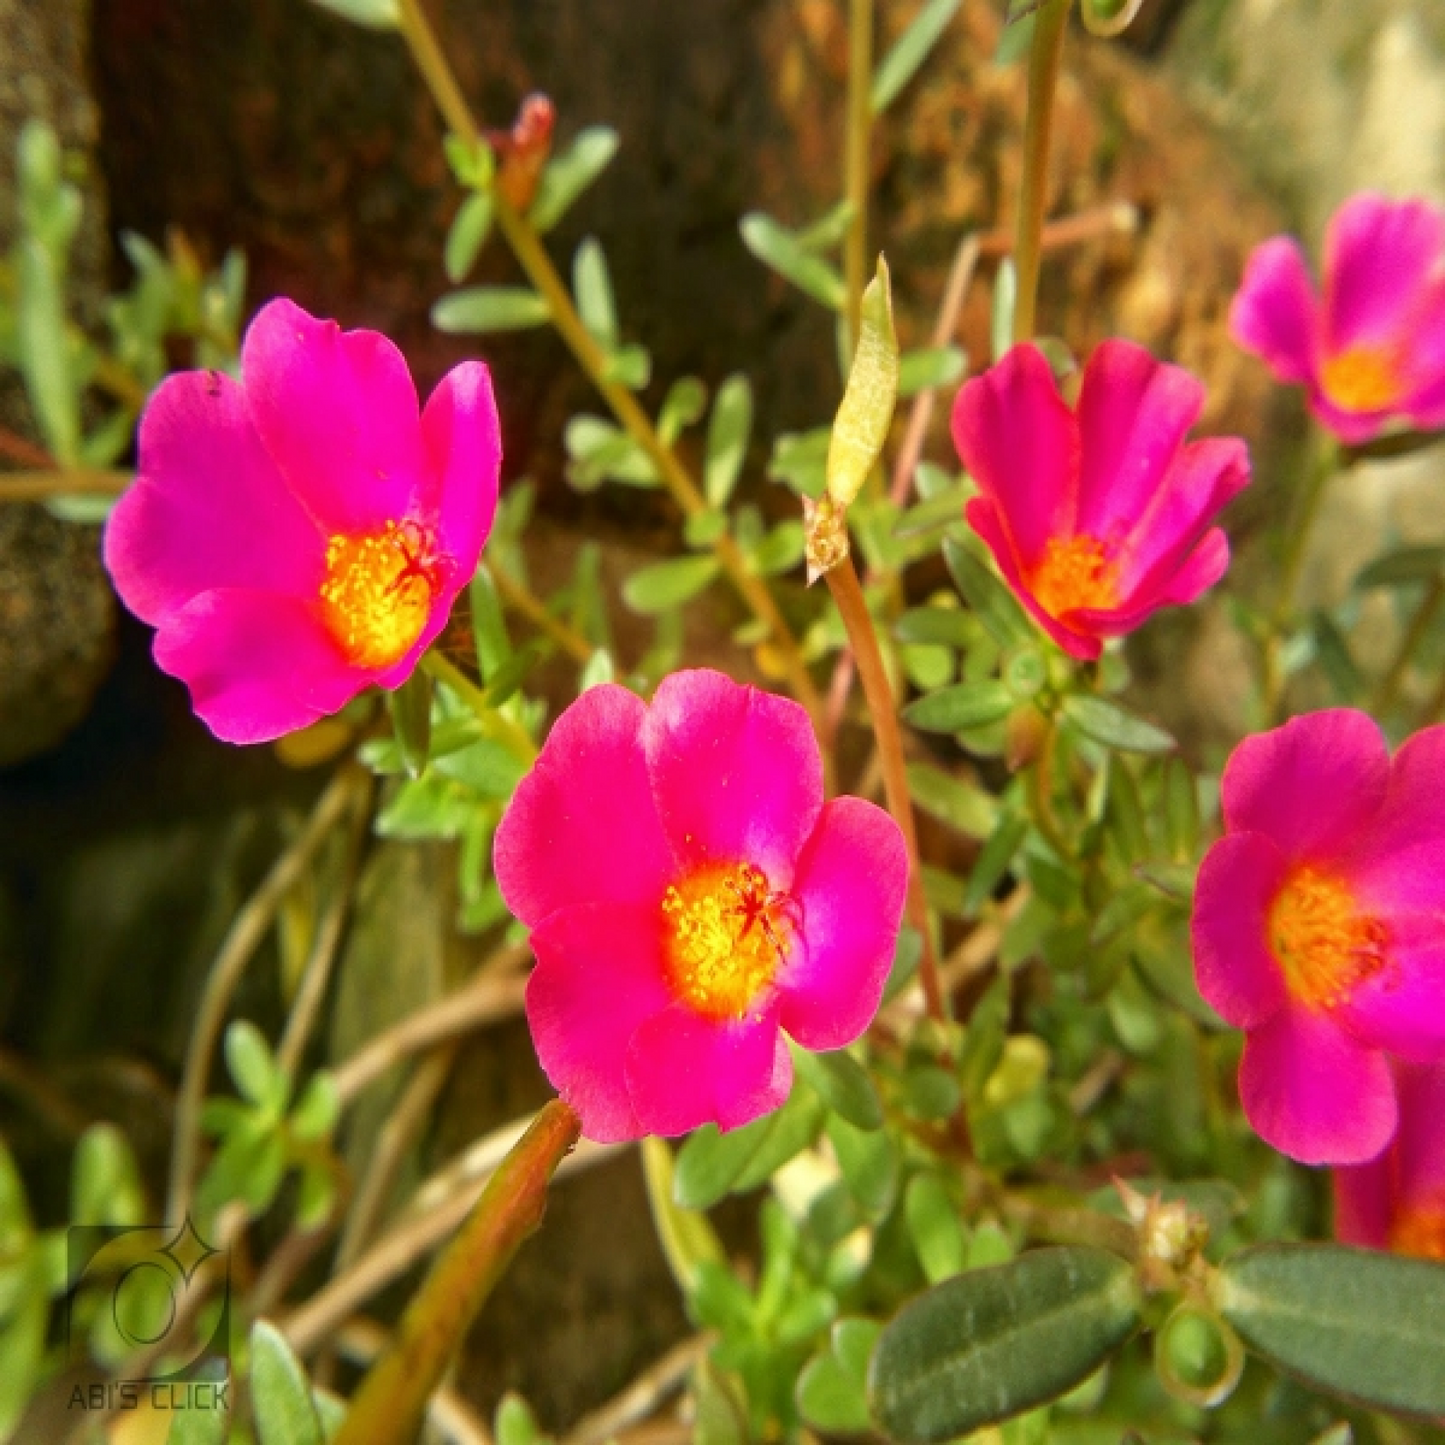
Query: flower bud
[{"x": 861, "y": 426}]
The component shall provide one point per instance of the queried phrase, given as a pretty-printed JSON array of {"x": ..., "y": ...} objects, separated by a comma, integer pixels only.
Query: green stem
[
  {"x": 858, "y": 622},
  {"x": 532, "y": 256},
  {"x": 1041, "y": 794},
  {"x": 1045, "y": 57},
  {"x": 855, "y": 163},
  {"x": 389, "y": 1406},
  {"x": 1420, "y": 625},
  {"x": 495, "y": 724}
]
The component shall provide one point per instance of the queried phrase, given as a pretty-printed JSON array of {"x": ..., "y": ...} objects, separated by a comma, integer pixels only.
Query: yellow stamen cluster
[
  {"x": 1420, "y": 1231},
  {"x": 724, "y": 935},
  {"x": 378, "y": 592},
  {"x": 1362, "y": 378},
  {"x": 1324, "y": 944},
  {"x": 1075, "y": 573}
]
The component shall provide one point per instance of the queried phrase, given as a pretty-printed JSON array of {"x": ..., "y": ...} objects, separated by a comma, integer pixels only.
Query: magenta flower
[
  {"x": 300, "y": 535},
  {"x": 1397, "y": 1201},
  {"x": 690, "y": 895},
  {"x": 1372, "y": 349},
  {"x": 1096, "y": 517},
  {"x": 1319, "y": 927}
]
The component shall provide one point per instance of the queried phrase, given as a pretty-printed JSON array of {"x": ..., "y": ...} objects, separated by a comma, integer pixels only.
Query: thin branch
[
  {"x": 497, "y": 993},
  {"x": 857, "y": 138},
  {"x": 247, "y": 931},
  {"x": 521, "y": 599},
  {"x": 642, "y": 1397}
]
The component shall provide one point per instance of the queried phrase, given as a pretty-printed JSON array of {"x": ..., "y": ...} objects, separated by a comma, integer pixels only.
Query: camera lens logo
[{"x": 155, "y": 1292}]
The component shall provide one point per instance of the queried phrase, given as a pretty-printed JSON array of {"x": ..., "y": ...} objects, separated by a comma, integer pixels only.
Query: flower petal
[
  {"x": 1133, "y": 415},
  {"x": 598, "y": 979},
  {"x": 209, "y": 508},
  {"x": 338, "y": 413},
  {"x": 1402, "y": 1007},
  {"x": 258, "y": 665},
  {"x": 1310, "y": 785},
  {"x": 736, "y": 772},
  {"x": 463, "y": 440},
  {"x": 1236, "y": 972},
  {"x": 684, "y": 1071},
  {"x": 1315, "y": 1094},
  {"x": 1274, "y": 312},
  {"x": 1378, "y": 257},
  {"x": 985, "y": 519},
  {"x": 582, "y": 826},
  {"x": 1420, "y": 1143},
  {"x": 1362, "y": 1202},
  {"x": 1020, "y": 443},
  {"x": 850, "y": 886},
  {"x": 1398, "y": 862}
]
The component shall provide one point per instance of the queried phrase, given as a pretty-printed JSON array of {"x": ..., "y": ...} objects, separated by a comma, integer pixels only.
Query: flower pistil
[
  {"x": 1326, "y": 946},
  {"x": 1075, "y": 574},
  {"x": 1362, "y": 378}
]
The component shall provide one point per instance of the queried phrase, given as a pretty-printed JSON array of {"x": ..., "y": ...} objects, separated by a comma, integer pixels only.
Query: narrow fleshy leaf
[
  {"x": 776, "y": 246},
  {"x": 664, "y": 586},
  {"x": 490, "y": 308},
  {"x": 959, "y": 707},
  {"x": 909, "y": 51},
  {"x": 1105, "y": 722},
  {"x": 280, "y": 1392},
  {"x": 570, "y": 173}
]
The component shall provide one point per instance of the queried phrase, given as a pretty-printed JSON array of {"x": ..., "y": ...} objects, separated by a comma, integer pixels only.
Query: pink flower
[
  {"x": 1100, "y": 516},
  {"x": 1397, "y": 1201},
  {"x": 1319, "y": 927},
  {"x": 690, "y": 895},
  {"x": 1373, "y": 348},
  {"x": 300, "y": 535}
]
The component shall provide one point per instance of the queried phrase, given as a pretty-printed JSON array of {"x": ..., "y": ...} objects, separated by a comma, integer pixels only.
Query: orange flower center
[
  {"x": 1362, "y": 378},
  {"x": 1074, "y": 574},
  {"x": 379, "y": 590},
  {"x": 725, "y": 932},
  {"x": 1321, "y": 940},
  {"x": 1420, "y": 1230}
]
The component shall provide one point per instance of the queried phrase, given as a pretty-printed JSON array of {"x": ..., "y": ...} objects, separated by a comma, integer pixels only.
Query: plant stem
[
  {"x": 522, "y": 600},
  {"x": 495, "y": 724},
  {"x": 1045, "y": 56},
  {"x": 853, "y": 609},
  {"x": 390, "y": 1405},
  {"x": 532, "y": 256},
  {"x": 38, "y": 484},
  {"x": 1420, "y": 624},
  {"x": 857, "y": 140}
]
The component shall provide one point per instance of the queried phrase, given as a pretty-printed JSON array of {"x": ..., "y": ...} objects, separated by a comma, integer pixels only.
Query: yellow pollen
[
  {"x": 1419, "y": 1230},
  {"x": 725, "y": 932},
  {"x": 1074, "y": 574},
  {"x": 1362, "y": 378},
  {"x": 378, "y": 591},
  {"x": 1324, "y": 944}
]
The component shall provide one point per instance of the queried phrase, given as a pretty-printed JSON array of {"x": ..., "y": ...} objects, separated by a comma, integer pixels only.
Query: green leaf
[
  {"x": 105, "y": 1186},
  {"x": 45, "y": 356},
  {"x": 799, "y": 461},
  {"x": 961, "y": 806},
  {"x": 934, "y": 1226},
  {"x": 685, "y": 402},
  {"x": 842, "y": 1084},
  {"x": 85, "y": 509},
  {"x": 599, "y": 668},
  {"x": 827, "y": 232},
  {"x": 468, "y": 234},
  {"x": 569, "y": 174},
  {"x": 909, "y": 51},
  {"x": 374, "y": 14},
  {"x": 702, "y": 529},
  {"x": 964, "y": 705},
  {"x": 490, "y": 308},
  {"x": 1181, "y": 809},
  {"x": 1332, "y": 652},
  {"x": 1399, "y": 569},
  {"x": 280, "y": 1391},
  {"x": 631, "y": 366},
  {"x": 948, "y": 626},
  {"x": 514, "y": 1423},
  {"x": 1106, "y": 723},
  {"x": 776, "y": 246},
  {"x": 994, "y": 859},
  {"x": 23, "y": 1324},
  {"x": 318, "y": 1109},
  {"x": 780, "y": 550},
  {"x": 664, "y": 586},
  {"x": 592, "y": 286},
  {"x": 832, "y": 1390},
  {"x": 686, "y": 1237},
  {"x": 869, "y": 1163},
  {"x": 711, "y": 1164},
  {"x": 410, "y": 706},
  {"x": 1366, "y": 1325},
  {"x": 929, "y": 367},
  {"x": 1007, "y": 623},
  {"x": 1005, "y": 298},
  {"x": 728, "y": 430},
  {"x": 866, "y": 412},
  {"x": 603, "y": 452},
  {"x": 208, "y": 1423},
  {"x": 253, "y": 1067},
  {"x": 489, "y": 625},
  {"x": 994, "y": 1342}
]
